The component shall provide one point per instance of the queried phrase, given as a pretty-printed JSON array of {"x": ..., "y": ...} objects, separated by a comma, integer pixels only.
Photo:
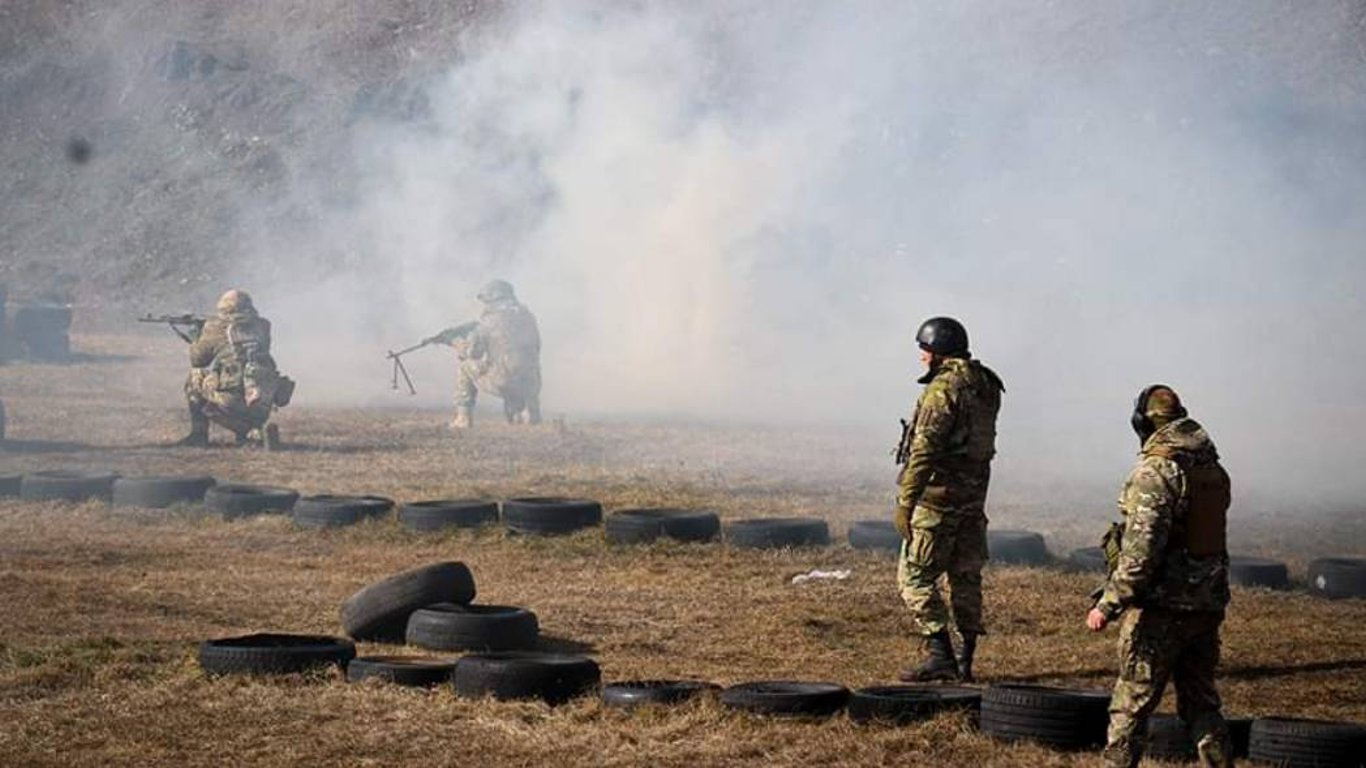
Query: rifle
[
  {"x": 444, "y": 337},
  {"x": 903, "y": 448},
  {"x": 194, "y": 322}
]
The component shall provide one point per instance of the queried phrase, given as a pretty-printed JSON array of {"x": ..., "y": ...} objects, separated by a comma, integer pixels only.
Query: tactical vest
[{"x": 1204, "y": 530}]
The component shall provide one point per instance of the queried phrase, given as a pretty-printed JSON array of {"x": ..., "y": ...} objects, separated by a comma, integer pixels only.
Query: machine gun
[
  {"x": 445, "y": 337},
  {"x": 192, "y": 323}
]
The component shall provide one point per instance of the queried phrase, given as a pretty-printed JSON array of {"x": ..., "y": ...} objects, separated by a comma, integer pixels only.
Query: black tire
[
  {"x": 64, "y": 485},
  {"x": 1295, "y": 743},
  {"x": 878, "y": 535},
  {"x": 1087, "y": 560},
  {"x": 160, "y": 492},
  {"x": 9, "y": 485},
  {"x": 637, "y": 693},
  {"x": 381, "y": 610},
  {"x": 786, "y": 698},
  {"x": 451, "y": 627},
  {"x": 639, "y": 526},
  {"x": 426, "y": 516},
  {"x": 778, "y": 532},
  {"x": 1168, "y": 738},
  {"x": 329, "y": 511},
  {"x": 549, "y": 516},
  {"x": 416, "y": 671},
  {"x": 508, "y": 675},
  {"x": 1338, "y": 577},
  {"x": 235, "y": 501},
  {"x": 1016, "y": 548},
  {"x": 1258, "y": 572},
  {"x": 273, "y": 654},
  {"x": 903, "y": 704},
  {"x": 1059, "y": 717}
]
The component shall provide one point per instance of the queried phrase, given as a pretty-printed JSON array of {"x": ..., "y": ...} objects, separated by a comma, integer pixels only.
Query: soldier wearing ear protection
[{"x": 1169, "y": 581}]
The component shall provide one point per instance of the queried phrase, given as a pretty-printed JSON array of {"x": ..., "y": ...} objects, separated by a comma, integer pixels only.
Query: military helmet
[
  {"x": 496, "y": 290},
  {"x": 1156, "y": 406},
  {"x": 234, "y": 301},
  {"x": 943, "y": 336}
]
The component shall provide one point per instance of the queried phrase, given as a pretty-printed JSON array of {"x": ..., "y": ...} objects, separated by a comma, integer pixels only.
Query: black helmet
[{"x": 943, "y": 336}]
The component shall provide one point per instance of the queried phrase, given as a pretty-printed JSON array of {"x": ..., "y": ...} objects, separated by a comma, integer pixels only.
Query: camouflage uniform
[
  {"x": 502, "y": 356},
  {"x": 943, "y": 488},
  {"x": 233, "y": 380},
  {"x": 1171, "y": 585}
]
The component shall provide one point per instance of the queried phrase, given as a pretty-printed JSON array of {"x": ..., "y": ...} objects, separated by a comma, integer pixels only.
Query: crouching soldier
[
  {"x": 499, "y": 354},
  {"x": 233, "y": 379}
]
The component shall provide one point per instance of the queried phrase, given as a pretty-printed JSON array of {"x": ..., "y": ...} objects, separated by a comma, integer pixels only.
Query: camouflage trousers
[
  {"x": 1157, "y": 646},
  {"x": 521, "y": 395},
  {"x": 944, "y": 544},
  {"x": 226, "y": 408}
]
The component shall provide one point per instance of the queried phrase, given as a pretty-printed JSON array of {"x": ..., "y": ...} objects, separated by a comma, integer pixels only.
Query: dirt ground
[{"x": 103, "y": 607}]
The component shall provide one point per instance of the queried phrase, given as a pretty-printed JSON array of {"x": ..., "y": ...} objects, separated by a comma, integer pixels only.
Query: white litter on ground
[{"x": 819, "y": 575}]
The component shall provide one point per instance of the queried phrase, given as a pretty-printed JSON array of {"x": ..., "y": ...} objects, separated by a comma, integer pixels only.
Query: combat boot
[
  {"x": 463, "y": 418},
  {"x": 965, "y": 657},
  {"x": 1215, "y": 751},
  {"x": 271, "y": 437},
  {"x": 199, "y": 431},
  {"x": 938, "y": 664}
]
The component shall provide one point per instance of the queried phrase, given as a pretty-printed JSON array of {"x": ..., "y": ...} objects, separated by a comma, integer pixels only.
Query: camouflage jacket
[
  {"x": 952, "y": 438},
  {"x": 508, "y": 343},
  {"x": 1156, "y": 567},
  {"x": 234, "y": 349}
]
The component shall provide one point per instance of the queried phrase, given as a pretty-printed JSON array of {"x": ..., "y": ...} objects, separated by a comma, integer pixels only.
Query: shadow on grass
[
  {"x": 45, "y": 446},
  {"x": 1236, "y": 672},
  {"x": 557, "y": 644}
]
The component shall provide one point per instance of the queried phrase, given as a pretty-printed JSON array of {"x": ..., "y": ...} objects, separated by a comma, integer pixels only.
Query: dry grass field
[{"x": 102, "y": 608}]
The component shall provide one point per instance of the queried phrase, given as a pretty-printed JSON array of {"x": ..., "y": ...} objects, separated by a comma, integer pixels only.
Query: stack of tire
[
  {"x": 432, "y": 607},
  {"x": 42, "y": 331}
]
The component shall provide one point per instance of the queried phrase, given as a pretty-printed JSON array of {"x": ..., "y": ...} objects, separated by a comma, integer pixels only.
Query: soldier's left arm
[
  {"x": 1149, "y": 501},
  {"x": 933, "y": 425}
]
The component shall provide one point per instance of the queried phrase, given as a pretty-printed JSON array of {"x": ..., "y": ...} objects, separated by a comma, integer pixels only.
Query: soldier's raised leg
[{"x": 1145, "y": 656}]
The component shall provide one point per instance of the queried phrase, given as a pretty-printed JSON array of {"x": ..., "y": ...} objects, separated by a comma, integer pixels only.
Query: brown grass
[{"x": 103, "y": 607}]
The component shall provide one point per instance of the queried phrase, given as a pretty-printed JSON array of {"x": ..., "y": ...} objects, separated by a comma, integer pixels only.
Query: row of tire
[
  {"x": 1331, "y": 577},
  {"x": 433, "y": 607},
  {"x": 1056, "y": 717}
]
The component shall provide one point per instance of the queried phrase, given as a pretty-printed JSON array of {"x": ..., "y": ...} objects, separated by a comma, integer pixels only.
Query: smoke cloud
[{"x": 743, "y": 210}]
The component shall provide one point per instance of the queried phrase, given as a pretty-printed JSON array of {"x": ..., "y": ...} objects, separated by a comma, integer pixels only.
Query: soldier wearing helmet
[
  {"x": 1168, "y": 582},
  {"x": 500, "y": 355},
  {"x": 233, "y": 379},
  {"x": 945, "y": 453}
]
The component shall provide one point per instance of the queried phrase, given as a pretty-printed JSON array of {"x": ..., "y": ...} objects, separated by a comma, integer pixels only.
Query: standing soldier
[
  {"x": 1169, "y": 581},
  {"x": 947, "y": 449},
  {"x": 233, "y": 379},
  {"x": 499, "y": 354}
]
